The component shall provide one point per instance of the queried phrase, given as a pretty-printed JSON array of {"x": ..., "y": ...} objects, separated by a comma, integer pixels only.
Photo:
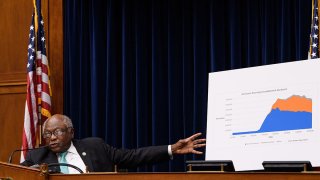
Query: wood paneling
[
  {"x": 55, "y": 45},
  {"x": 10, "y": 171},
  {"x": 11, "y": 117},
  {"x": 12, "y": 83},
  {"x": 14, "y": 30},
  {"x": 20, "y": 172},
  {"x": 191, "y": 176}
]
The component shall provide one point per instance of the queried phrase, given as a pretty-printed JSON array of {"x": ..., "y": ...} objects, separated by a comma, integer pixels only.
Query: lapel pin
[{"x": 84, "y": 153}]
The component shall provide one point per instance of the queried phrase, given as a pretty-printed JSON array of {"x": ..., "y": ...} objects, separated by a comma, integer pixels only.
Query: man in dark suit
[{"x": 94, "y": 155}]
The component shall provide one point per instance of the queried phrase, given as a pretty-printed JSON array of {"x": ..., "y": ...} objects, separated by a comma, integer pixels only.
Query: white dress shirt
[{"x": 74, "y": 158}]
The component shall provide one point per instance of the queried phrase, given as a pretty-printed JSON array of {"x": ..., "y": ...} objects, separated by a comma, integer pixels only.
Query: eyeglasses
[{"x": 57, "y": 132}]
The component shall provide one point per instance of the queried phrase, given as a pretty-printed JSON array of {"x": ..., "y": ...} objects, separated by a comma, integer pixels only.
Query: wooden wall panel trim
[
  {"x": 14, "y": 89},
  {"x": 13, "y": 77},
  {"x": 18, "y": 83}
]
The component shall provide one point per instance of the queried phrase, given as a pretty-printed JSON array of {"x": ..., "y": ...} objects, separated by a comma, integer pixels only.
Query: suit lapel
[
  {"x": 52, "y": 158},
  {"x": 83, "y": 154}
]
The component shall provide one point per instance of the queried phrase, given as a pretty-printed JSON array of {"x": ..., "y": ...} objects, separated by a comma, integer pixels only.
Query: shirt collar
[{"x": 72, "y": 149}]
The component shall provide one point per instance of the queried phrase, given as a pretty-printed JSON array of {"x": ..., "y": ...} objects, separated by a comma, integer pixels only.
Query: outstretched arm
[{"x": 188, "y": 145}]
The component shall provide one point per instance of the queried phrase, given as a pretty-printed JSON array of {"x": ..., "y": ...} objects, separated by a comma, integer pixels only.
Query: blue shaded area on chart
[{"x": 278, "y": 120}]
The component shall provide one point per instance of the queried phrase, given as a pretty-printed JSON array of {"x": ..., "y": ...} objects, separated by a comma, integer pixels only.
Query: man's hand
[{"x": 188, "y": 145}]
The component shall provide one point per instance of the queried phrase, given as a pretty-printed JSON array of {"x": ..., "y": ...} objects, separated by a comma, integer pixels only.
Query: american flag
[
  {"x": 314, "y": 38},
  {"x": 38, "y": 101}
]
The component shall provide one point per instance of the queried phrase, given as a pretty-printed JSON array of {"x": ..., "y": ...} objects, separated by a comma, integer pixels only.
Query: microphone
[
  {"x": 27, "y": 149},
  {"x": 50, "y": 170},
  {"x": 65, "y": 164},
  {"x": 55, "y": 169}
]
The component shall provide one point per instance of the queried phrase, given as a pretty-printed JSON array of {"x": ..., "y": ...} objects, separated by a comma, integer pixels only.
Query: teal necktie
[{"x": 64, "y": 169}]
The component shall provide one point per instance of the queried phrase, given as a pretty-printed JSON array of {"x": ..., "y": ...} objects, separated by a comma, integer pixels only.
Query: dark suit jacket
[{"x": 100, "y": 157}]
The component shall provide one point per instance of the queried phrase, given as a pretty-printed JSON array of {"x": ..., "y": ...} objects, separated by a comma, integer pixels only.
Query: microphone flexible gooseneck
[
  {"x": 28, "y": 149},
  {"x": 65, "y": 164}
]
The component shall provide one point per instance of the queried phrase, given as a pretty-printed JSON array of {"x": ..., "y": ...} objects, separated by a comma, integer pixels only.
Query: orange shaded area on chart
[{"x": 294, "y": 103}]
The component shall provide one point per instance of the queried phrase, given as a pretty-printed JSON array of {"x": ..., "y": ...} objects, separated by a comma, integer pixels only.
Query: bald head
[{"x": 60, "y": 117}]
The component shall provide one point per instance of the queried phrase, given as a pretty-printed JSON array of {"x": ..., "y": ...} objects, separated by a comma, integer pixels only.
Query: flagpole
[
  {"x": 35, "y": 19},
  {"x": 36, "y": 15},
  {"x": 318, "y": 38},
  {"x": 310, "y": 41}
]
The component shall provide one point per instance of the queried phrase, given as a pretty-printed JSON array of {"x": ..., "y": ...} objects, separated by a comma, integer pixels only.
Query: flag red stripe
[
  {"x": 44, "y": 68},
  {"x": 45, "y": 88},
  {"x": 45, "y": 105},
  {"x": 30, "y": 109}
]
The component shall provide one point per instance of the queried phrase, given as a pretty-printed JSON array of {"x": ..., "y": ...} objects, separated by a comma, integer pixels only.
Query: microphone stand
[
  {"x": 65, "y": 164},
  {"x": 12, "y": 153}
]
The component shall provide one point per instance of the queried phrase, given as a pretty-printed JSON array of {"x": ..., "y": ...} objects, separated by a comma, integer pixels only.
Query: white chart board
[{"x": 265, "y": 113}]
